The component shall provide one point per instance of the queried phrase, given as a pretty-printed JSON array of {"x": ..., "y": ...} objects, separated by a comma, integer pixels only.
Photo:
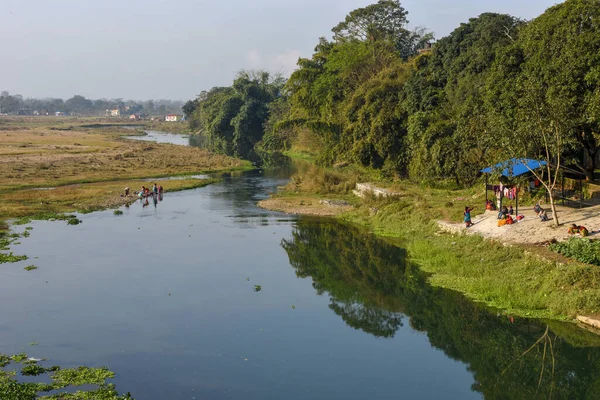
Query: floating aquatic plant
[
  {"x": 11, "y": 258},
  {"x": 118, "y": 212},
  {"x": 32, "y": 370},
  {"x": 30, "y": 268},
  {"x": 11, "y": 388},
  {"x": 19, "y": 357}
]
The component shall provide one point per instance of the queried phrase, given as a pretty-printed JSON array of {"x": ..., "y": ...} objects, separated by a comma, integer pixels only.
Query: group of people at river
[{"x": 155, "y": 193}]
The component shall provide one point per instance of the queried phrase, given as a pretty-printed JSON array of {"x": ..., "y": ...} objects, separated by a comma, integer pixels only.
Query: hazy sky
[{"x": 142, "y": 49}]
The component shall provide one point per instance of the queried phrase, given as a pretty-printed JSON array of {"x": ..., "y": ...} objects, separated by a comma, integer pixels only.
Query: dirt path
[{"x": 531, "y": 230}]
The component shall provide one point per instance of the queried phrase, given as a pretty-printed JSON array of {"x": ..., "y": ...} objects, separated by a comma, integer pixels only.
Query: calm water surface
[
  {"x": 161, "y": 137},
  {"x": 165, "y": 296}
]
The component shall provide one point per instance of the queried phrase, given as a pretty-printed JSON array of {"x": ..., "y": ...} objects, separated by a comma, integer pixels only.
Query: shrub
[{"x": 581, "y": 249}]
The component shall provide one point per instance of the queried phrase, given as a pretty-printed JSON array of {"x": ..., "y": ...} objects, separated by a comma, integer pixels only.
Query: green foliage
[
  {"x": 4, "y": 360},
  {"x": 12, "y": 388},
  {"x": 32, "y": 370},
  {"x": 82, "y": 375},
  {"x": 581, "y": 249},
  {"x": 6, "y": 240},
  {"x": 445, "y": 99},
  {"x": 232, "y": 119},
  {"x": 561, "y": 70},
  {"x": 51, "y": 216},
  {"x": 380, "y": 21},
  {"x": 118, "y": 212},
  {"x": 11, "y": 258},
  {"x": 73, "y": 221},
  {"x": 30, "y": 268},
  {"x": 19, "y": 357},
  {"x": 495, "y": 88}
]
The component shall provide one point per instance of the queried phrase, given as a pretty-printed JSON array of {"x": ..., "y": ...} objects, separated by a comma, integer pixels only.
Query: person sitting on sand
[
  {"x": 537, "y": 208},
  {"x": 510, "y": 210},
  {"x": 578, "y": 229},
  {"x": 503, "y": 212},
  {"x": 467, "y": 216},
  {"x": 543, "y": 216}
]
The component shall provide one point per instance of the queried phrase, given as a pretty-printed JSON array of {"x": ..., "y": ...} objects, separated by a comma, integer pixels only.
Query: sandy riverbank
[
  {"x": 530, "y": 230},
  {"x": 303, "y": 206}
]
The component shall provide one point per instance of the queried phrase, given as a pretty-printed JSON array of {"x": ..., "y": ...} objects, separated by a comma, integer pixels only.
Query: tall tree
[
  {"x": 383, "y": 20},
  {"x": 561, "y": 52},
  {"x": 79, "y": 104},
  {"x": 445, "y": 97},
  {"x": 232, "y": 118}
]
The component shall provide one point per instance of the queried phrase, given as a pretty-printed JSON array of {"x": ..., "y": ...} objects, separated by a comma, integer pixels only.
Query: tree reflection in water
[{"x": 373, "y": 287}]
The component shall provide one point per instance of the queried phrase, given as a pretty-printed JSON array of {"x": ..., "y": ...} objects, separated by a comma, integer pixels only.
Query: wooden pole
[
  {"x": 580, "y": 193},
  {"x": 517, "y": 200},
  {"x": 486, "y": 188},
  {"x": 563, "y": 189}
]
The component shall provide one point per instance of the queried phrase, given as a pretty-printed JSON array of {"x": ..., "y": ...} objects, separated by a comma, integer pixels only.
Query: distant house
[
  {"x": 113, "y": 113},
  {"x": 427, "y": 48},
  {"x": 135, "y": 117},
  {"x": 172, "y": 118},
  {"x": 59, "y": 113}
]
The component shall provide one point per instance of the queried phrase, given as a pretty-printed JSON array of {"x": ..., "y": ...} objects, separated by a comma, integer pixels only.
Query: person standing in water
[{"x": 155, "y": 189}]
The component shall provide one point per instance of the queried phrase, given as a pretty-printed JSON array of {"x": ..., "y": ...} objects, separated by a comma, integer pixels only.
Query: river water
[
  {"x": 162, "y": 137},
  {"x": 206, "y": 296}
]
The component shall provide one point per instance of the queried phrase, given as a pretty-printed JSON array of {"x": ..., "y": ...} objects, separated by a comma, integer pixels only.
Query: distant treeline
[
  {"x": 79, "y": 105},
  {"x": 375, "y": 94}
]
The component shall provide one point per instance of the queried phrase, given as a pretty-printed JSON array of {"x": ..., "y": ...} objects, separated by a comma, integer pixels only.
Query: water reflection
[
  {"x": 161, "y": 137},
  {"x": 373, "y": 288}
]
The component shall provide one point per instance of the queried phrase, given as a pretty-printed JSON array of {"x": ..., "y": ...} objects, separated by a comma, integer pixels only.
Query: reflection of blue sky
[
  {"x": 106, "y": 302},
  {"x": 145, "y": 49}
]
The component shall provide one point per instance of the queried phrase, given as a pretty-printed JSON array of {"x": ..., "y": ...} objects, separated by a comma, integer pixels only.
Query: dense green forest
[{"x": 497, "y": 87}]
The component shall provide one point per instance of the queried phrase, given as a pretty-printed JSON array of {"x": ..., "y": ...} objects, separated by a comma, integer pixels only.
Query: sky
[{"x": 174, "y": 49}]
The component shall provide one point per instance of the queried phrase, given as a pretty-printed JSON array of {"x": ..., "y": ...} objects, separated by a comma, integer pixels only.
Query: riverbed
[{"x": 202, "y": 295}]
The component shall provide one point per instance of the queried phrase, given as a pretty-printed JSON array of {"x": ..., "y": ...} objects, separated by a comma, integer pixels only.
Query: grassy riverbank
[
  {"x": 52, "y": 164},
  {"x": 528, "y": 281}
]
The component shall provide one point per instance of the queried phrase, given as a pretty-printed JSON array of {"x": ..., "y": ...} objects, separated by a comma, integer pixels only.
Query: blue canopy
[{"x": 515, "y": 167}]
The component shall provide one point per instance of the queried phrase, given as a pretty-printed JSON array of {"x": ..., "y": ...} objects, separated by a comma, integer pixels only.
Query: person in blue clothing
[{"x": 467, "y": 216}]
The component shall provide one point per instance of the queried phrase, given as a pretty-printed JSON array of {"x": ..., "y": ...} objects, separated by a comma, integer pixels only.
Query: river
[{"x": 206, "y": 296}]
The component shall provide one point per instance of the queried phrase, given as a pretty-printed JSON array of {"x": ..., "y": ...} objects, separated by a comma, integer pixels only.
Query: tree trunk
[
  {"x": 553, "y": 208},
  {"x": 590, "y": 163},
  {"x": 590, "y": 148}
]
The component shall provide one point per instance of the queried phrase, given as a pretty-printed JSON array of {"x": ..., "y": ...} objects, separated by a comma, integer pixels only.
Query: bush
[{"x": 581, "y": 249}]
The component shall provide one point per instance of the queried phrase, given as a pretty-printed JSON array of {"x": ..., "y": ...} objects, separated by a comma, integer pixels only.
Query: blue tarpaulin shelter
[
  {"x": 515, "y": 167},
  {"x": 510, "y": 169}
]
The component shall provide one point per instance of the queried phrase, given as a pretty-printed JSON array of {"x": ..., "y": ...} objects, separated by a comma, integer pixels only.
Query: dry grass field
[{"x": 75, "y": 164}]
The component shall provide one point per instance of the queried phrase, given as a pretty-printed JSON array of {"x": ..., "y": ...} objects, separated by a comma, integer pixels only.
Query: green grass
[
  {"x": 529, "y": 282},
  {"x": 297, "y": 155}
]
